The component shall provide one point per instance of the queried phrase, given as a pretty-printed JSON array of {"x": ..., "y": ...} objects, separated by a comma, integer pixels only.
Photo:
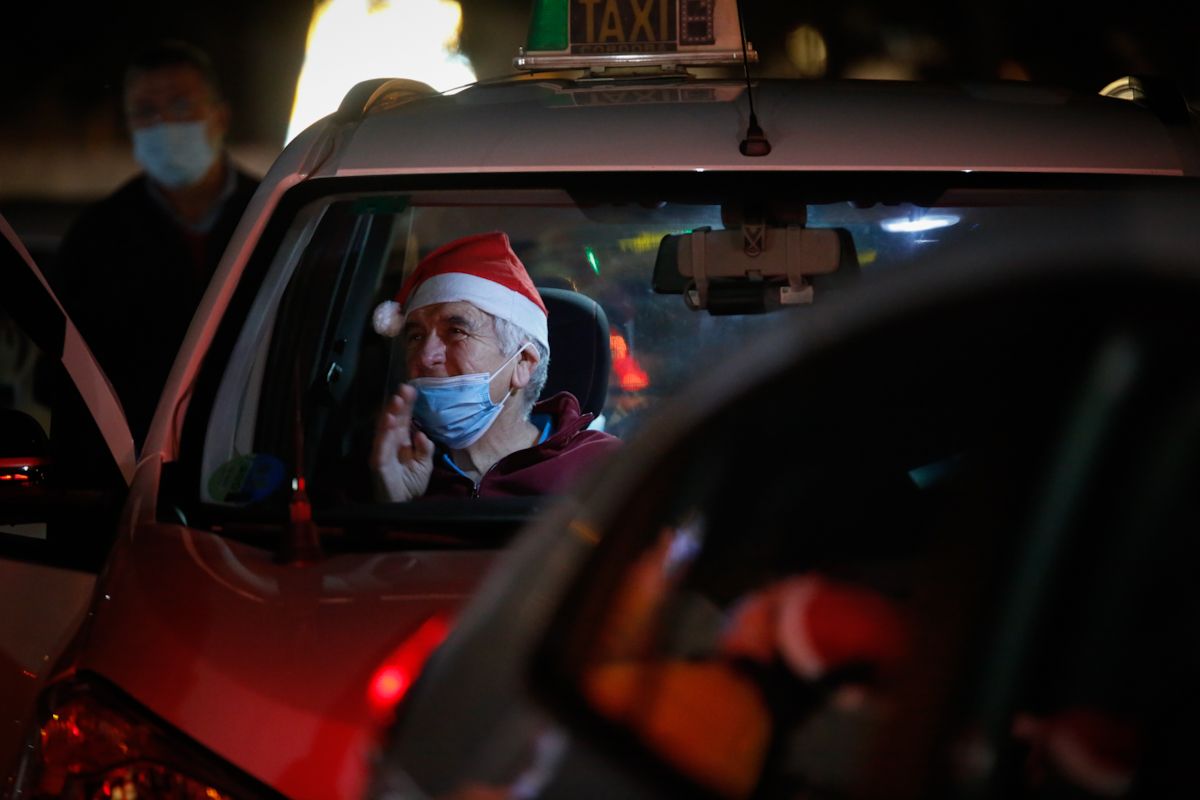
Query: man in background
[{"x": 133, "y": 267}]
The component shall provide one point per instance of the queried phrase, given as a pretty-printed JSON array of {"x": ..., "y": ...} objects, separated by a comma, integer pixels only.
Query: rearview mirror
[{"x": 750, "y": 269}]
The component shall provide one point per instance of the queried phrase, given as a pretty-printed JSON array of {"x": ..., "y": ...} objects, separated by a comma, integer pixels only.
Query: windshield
[{"x": 308, "y": 374}]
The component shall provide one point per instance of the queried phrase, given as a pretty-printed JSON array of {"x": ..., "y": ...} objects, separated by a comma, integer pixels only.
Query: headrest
[{"x": 580, "y": 358}]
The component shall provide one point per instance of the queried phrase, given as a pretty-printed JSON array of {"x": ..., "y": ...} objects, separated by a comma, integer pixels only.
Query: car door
[{"x": 58, "y": 498}]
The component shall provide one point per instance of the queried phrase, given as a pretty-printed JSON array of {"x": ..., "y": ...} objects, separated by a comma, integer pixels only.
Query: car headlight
[{"x": 94, "y": 743}]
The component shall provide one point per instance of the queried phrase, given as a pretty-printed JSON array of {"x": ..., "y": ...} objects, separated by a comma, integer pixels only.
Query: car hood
[{"x": 266, "y": 665}]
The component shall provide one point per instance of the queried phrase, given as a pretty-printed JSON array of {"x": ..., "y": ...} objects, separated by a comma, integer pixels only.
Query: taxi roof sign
[{"x": 590, "y": 34}]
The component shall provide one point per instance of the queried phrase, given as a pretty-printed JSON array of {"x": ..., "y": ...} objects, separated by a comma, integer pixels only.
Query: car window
[
  {"x": 56, "y": 471},
  {"x": 25, "y": 406},
  {"x": 312, "y": 338},
  {"x": 307, "y": 344}
]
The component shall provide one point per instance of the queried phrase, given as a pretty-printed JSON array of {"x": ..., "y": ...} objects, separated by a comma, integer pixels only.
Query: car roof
[{"x": 680, "y": 124}]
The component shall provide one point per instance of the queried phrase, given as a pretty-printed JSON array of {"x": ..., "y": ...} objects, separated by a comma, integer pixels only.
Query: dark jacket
[
  {"x": 547, "y": 468},
  {"x": 131, "y": 278}
]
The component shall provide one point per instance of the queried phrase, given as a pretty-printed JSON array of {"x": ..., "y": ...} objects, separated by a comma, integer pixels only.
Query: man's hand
[{"x": 401, "y": 458}]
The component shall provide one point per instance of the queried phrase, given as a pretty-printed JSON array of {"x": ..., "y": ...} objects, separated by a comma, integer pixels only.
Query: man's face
[
  {"x": 175, "y": 94},
  {"x": 445, "y": 340}
]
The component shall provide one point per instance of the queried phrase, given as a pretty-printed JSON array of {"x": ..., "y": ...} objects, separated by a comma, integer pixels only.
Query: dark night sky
[{"x": 61, "y": 68}]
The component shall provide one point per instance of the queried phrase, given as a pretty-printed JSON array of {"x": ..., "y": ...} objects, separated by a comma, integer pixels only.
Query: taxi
[{"x": 256, "y": 614}]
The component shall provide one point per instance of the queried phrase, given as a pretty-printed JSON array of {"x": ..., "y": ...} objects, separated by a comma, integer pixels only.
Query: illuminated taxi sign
[{"x": 566, "y": 34}]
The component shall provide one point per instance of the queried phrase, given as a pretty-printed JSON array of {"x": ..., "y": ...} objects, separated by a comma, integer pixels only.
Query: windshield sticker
[{"x": 246, "y": 479}]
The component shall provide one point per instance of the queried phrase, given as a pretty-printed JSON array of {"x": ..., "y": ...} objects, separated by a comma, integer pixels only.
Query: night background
[
  {"x": 63, "y": 144},
  {"x": 62, "y": 139}
]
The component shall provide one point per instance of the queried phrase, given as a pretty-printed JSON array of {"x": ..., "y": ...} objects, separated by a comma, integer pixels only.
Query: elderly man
[
  {"x": 474, "y": 333},
  {"x": 132, "y": 268}
]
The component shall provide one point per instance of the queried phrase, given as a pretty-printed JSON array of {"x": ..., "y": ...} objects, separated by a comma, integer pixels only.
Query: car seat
[{"x": 580, "y": 356}]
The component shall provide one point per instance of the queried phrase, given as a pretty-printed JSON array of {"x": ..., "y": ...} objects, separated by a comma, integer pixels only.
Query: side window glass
[
  {"x": 249, "y": 452},
  {"x": 326, "y": 356},
  {"x": 25, "y": 387},
  {"x": 55, "y": 469}
]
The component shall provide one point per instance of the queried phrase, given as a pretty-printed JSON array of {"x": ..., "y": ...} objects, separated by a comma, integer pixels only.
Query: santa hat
[
  {"x": 825, "y": 624},
  {"x": 481, "y": 270},
  {"x": 817, "y": 625}
]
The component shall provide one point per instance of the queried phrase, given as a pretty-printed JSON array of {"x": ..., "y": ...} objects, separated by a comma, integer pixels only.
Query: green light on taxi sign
[{"x": 548, "y": 25}]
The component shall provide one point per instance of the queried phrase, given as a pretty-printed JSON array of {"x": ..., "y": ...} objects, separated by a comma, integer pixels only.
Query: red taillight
[
  {"x": 79, "y": 741},
  {"x": 88, "y": 751},
  {"x": 396, "y": 674},
  {"x": 96, "y": 743},
  {"x": 14, "y": 476}
]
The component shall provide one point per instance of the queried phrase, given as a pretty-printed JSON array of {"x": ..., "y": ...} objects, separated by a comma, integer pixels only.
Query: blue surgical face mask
[
  {"x": 456, "y": 412},
  {"x": 175, "y": 154}
]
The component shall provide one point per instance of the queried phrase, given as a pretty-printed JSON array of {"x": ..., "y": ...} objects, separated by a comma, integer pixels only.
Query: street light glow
[{"x": 355, "y": 40}]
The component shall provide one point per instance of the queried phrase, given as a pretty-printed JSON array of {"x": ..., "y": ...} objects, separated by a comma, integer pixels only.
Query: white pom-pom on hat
[{"x": 388, "y": 319}]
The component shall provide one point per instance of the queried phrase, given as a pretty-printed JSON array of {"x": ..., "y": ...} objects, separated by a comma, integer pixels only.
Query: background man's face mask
[
  {"x": 175, "y": 154},
  {"x": 456, "y": 412}
]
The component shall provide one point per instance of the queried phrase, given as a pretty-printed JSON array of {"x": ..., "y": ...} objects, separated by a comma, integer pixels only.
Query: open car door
[
  {"x": 31, "y": 305},
  {"x": 55, "y": 528}
]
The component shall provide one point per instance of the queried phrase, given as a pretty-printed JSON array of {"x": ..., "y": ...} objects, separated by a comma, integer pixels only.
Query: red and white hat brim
[{"x": 486, "y": 295}]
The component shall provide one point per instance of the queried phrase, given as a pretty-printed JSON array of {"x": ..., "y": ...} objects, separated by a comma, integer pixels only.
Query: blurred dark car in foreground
[{"x": 936, "y": 540}]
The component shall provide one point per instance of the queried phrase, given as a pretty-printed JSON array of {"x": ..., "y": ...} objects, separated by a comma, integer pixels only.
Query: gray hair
[{"x": 511, "y": 337}]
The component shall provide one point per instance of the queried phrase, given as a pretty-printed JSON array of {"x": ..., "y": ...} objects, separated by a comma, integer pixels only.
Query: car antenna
[
  {"x": 755, "y": 143},
  {"x": 301, "y": 543}
]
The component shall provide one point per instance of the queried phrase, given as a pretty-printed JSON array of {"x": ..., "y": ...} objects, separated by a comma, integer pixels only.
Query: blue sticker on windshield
[{"x": 246, "y": 479}]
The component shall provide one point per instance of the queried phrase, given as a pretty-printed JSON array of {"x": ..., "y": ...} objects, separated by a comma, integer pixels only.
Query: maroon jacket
[{"x": 545, "y": 468}]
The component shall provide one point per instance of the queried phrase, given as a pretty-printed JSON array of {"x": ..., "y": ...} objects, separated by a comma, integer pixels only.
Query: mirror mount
[{"x": 752, "y": 268}]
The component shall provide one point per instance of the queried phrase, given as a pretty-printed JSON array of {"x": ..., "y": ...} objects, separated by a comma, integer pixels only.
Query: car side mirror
[
  {"x": 40, "y": 520},
  {"x": 24, "y": 450}
]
